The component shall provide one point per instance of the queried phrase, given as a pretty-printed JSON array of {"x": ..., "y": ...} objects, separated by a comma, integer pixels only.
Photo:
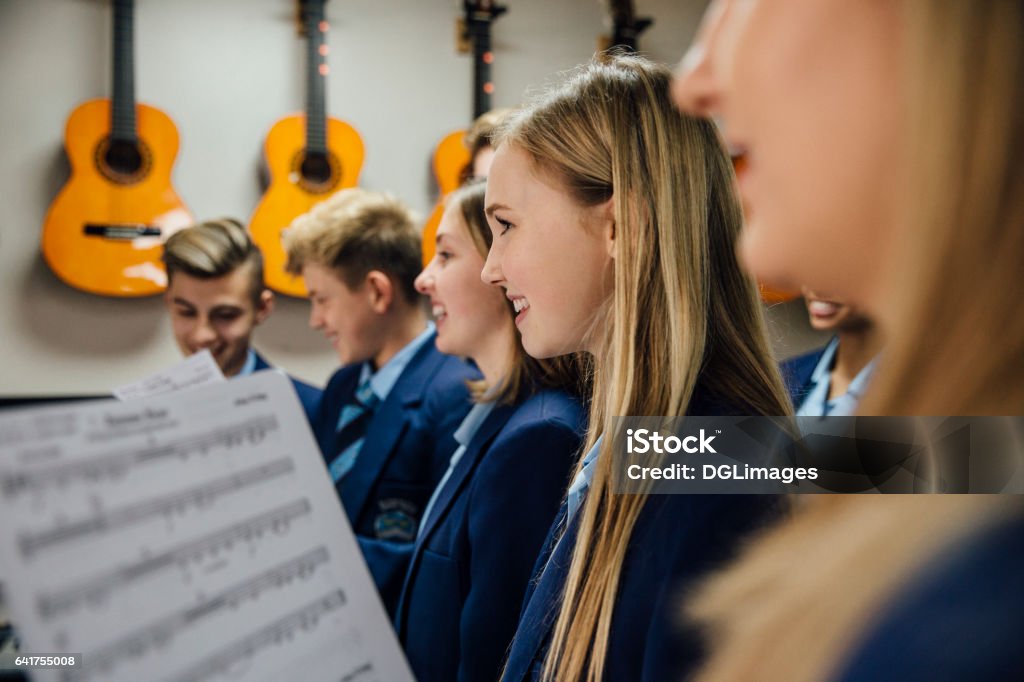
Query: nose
[
  {"x": 695, "y": 87},
  {"x": 492, "y": 273},
  {"x": 425, "y": 280},
  {"x": 203, "y": 334},
  {"x": 316, "y": 320}
]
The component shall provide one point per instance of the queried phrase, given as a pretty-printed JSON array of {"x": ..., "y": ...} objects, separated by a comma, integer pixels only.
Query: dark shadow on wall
[{"x": 72, "y": 322}]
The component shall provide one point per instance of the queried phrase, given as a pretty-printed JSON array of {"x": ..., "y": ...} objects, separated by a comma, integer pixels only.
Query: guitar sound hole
[
  {"x": 316, "y": 168},
  {"x": 123, "y": 157}
]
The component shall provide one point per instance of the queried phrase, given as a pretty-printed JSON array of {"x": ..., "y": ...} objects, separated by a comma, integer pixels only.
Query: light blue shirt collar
[
  {"x": 581, "y": 483},
  {"x": 250, "y": 364},
  {"x": 384, "y": 379},
  {"x": 463, "y": 435},
  {"x": 817, "y": 404},
  {"x": 472, "y": 422}
]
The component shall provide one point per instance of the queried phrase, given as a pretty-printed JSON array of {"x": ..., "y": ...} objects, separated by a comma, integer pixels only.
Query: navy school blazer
[
  {"x": 677, "y": 540},
  {"x": 960, "y": 618},
  {"x": 309, "y": 395},
  {"x": 797, "y": 372},
  {"x": 405, "y": 453},
  {"x": 470, "y": 567}
]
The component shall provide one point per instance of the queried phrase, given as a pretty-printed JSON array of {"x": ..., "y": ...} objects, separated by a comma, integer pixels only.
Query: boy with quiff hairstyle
[
  {"x": 216, "y": 298},
  {"x": 387, "y": 419}
]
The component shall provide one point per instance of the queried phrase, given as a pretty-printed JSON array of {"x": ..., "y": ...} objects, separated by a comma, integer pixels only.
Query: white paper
[
  {"x": 185, "y": 537},
  {"x": 196, "y": 370}
]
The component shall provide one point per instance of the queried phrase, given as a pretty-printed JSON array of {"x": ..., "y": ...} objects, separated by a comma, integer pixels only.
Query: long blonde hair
[
  {"x": 681, "y": 310},
  {"x": 954, "y": 346}
]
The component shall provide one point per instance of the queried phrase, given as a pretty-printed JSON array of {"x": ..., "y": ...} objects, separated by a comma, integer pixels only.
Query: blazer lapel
[
  {"x": 460, "y": 477},
  {"x": 478, "y": 445},
  {"x": 541, "y": 609},
  {"x": 386, "y": 429},
  {"x": 384, "y": 432},
  {"x": 261, "y": 364}
]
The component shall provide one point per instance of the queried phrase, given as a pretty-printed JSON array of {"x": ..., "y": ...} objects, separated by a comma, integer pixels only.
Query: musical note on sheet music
[{"x": 186, "y": 537}]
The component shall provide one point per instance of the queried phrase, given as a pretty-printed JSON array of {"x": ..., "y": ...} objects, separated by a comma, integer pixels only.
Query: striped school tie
[{"x": 351, "y": 431}]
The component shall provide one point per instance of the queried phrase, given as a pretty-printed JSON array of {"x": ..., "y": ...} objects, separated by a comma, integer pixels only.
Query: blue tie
[{"x": 351, "y": 431}]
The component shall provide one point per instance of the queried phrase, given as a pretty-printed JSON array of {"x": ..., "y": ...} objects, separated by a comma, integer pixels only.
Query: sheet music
[
  {"x": 196, "y": 370},
  {"x": 186, "y": 537}
]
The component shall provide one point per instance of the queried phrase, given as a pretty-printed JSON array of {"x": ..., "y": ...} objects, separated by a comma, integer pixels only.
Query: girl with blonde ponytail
[{"x": 614, "y": 221}]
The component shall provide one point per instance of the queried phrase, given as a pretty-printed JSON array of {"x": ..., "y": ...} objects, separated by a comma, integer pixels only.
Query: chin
[
  {"x": 447, "y": 347},
  {"x": 540, "y": 349},
  {"x": 762, "y": 261}
]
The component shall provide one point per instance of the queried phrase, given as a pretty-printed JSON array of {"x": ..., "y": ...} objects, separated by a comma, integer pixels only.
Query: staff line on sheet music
[
  {"x": 163, "y": 630},
  {"x": 31, "y": 543},
  {"x": 13, "y": 484},
  {"x": 16, "y": 431},
  {"x": 52, "y": 605},
  {"x": 305, "y": 618},
  {"x": 109, "y": 433}
]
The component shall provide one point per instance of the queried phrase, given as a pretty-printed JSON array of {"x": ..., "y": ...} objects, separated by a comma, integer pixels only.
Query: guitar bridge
[{"x": 122, "y": 231}]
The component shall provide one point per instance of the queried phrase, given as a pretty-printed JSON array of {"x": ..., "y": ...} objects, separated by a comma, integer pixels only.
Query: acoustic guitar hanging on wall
[
  {"x": 451, "y": 156},
  {"x": 309, "y": 157},
  {"x": 104, "y": 230}
]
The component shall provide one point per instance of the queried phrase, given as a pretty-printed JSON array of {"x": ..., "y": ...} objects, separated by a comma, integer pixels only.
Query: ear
[
  {"x": 606, "y": 216},
  {"x": 380, "y": 290},
  {"x": 265, "y": 306}
]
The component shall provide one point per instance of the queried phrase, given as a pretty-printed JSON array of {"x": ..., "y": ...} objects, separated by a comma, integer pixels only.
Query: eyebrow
[{"x": 495, "y": 207}]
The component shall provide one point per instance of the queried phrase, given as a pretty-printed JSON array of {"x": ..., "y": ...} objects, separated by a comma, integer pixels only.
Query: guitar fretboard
[
  {"x": 479, "y": 17},
  {"x": 316, "y": 75},
  {"x": 122, "y": 124}
]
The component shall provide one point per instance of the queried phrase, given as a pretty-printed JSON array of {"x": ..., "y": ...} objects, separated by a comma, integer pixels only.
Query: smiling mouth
[{"x": 822, "y": 308}]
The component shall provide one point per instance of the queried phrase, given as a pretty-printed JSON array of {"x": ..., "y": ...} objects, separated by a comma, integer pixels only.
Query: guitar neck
[
  {"x": 316, "y": 76},
  {"x": 479, "y": 17},
  {"x": 122, "y": 124},
  {"x": 483, "y": 86}
]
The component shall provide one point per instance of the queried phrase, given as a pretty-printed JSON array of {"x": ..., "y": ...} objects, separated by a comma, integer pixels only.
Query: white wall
[{"x": 225, "y": 71}]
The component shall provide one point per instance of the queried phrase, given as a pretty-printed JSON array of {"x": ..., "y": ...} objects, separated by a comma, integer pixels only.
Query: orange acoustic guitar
[
  {"x": 103, "y": 232},
  {"x": 451, "y": 156},
  {"x": 310, "y": 156}
]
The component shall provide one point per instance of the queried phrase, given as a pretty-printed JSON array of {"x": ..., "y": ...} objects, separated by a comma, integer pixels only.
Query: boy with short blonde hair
[{"x": 388, "y": 415}]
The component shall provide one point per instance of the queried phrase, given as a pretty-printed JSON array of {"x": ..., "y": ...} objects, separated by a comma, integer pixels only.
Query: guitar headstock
[
  {"x": 626, "y": 27},
  {"x": 306, "y": 10},
  {"x": 473, "y": 28},
  {"x": 478, "y": 15},
  {"x": 482, "y": 10}
]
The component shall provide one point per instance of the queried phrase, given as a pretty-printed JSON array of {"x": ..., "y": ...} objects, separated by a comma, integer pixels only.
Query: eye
[
  {"x": 184, "y": 312},
  {"x": 227, "y": 315},
  {"x": 505, "y": 225},
  {"x": 444, "y": 256}
]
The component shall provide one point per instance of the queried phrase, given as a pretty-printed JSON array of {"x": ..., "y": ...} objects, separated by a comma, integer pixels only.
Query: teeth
[
  {"x": 521, "y": 304},
  {"x": 822, "y": 307},
  {"x": 438, "y": 311}
]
